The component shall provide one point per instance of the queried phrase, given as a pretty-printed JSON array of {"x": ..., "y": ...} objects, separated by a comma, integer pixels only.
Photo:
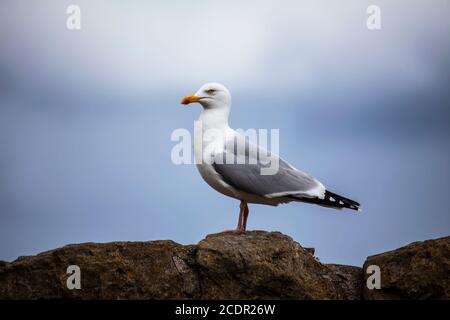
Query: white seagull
[{"x": 244, "y": 180}]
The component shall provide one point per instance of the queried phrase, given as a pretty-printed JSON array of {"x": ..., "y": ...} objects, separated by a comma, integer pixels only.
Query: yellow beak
[{"x": 190, "y": 99}]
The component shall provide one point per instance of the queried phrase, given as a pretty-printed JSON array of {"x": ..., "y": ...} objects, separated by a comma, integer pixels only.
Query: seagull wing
[{"x": 247, "y": 175}]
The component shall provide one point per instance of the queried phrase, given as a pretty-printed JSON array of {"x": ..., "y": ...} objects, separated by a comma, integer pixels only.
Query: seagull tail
[{"x": 332, "y": 200}]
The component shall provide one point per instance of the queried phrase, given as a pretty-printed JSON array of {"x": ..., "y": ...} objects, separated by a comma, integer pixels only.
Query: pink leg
[
  {"x": 245, "y": 211},
  {"x": 240, "y": 219},
  {"x": 243, "y": 215}
]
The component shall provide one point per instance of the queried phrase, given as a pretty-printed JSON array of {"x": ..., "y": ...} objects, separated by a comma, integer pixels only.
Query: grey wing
[{"x": 286, "y": 181}]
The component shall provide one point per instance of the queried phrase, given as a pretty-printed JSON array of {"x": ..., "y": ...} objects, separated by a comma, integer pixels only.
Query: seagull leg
[
  {"x": 241, "y": 217},
  {"x": 242, "y": 221},
  {"x": 245, "y": 215}
]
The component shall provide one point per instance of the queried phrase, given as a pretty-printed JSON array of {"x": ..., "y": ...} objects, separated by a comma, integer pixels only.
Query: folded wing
[{"x": 247, "y": 175}]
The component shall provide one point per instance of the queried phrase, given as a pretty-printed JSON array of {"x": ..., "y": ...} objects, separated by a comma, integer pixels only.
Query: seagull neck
[{"x": 216, "y": 118}]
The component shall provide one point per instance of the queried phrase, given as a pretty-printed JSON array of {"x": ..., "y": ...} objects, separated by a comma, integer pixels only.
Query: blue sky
[{"x": 86, "y": 118}]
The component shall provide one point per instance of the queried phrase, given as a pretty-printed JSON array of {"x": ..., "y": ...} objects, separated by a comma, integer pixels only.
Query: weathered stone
[
  {"x": 420, "y": 270},
  {"x": 262, "y": 265},
  {"x": 119, "y": 270},
  {"x": 350, "y": 280},
  {"x": 250, "y": 265}
]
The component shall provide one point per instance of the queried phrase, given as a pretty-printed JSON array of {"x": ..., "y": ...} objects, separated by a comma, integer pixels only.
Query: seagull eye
[{"x": 211, "y": 91}]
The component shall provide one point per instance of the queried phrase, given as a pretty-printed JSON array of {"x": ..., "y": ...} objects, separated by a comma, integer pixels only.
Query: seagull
[{"x": 245, "y": 180}]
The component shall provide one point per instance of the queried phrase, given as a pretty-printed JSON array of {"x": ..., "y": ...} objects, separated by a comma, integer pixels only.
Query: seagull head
[{"x": 211, "y": 96}]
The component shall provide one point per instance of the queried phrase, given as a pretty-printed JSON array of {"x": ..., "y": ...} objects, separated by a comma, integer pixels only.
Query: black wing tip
[
  {"x": 341, "y": 202},
  {"x": 331, "y": 200}
]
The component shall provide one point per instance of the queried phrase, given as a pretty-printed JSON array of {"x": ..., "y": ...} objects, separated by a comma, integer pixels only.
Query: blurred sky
[{"x": 86, "y": 118}]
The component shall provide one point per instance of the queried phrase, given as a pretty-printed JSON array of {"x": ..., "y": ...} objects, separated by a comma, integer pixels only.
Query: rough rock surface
[
  {"x": 261, "y": 265},
  {"x": 351, "y": 280},
  {"x": 420, "y": 270},
  {"x": 250, "y": 265}
]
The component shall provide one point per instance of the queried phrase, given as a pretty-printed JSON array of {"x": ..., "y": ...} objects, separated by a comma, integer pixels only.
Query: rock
[
  {"x": 120, "y": 270},
  {"x": 262, "y": 265},
  {"x": 351, "y": 280},
  {"x": 420, "y": 270},
  {"x": 250, "y": 265}
]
